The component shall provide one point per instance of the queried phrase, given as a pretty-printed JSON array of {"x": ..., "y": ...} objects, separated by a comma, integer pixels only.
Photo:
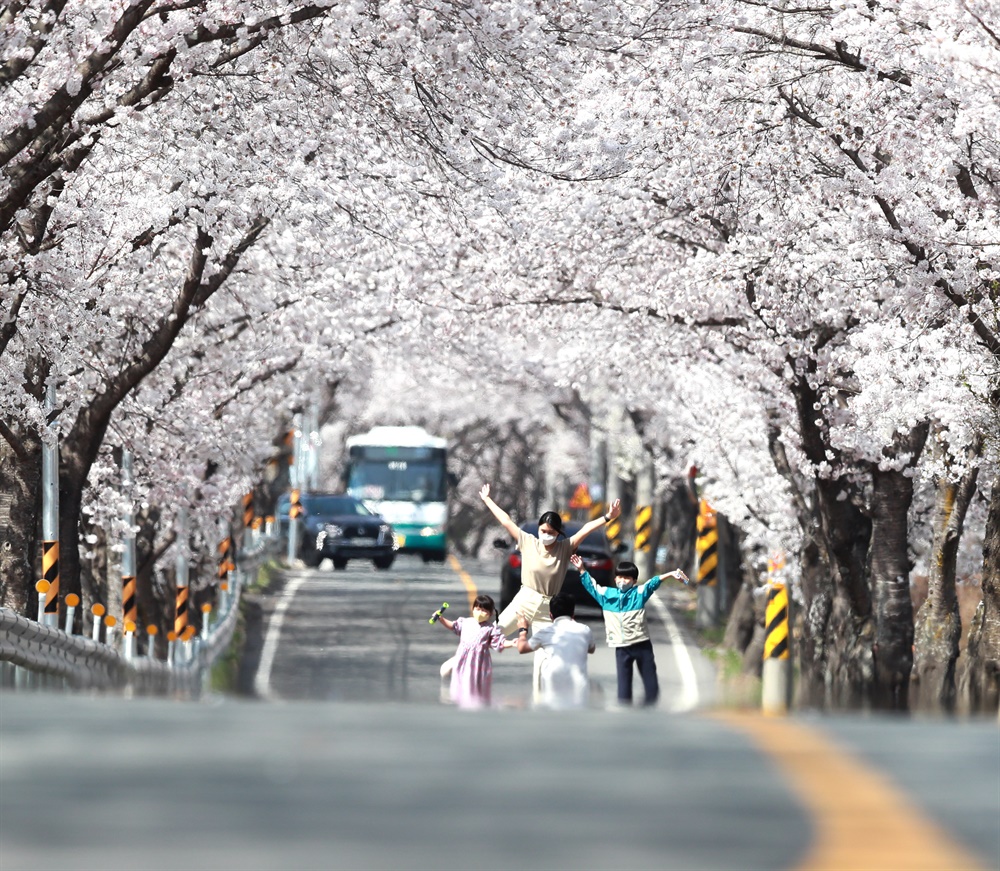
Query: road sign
[{"x": 581, "y": 497}]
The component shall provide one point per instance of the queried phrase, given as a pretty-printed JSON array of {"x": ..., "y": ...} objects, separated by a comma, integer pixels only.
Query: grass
[
  {"x": 224, "y": 675},
  {"x": 736, "y": 688},
  {"x": 266, "y": 573}
]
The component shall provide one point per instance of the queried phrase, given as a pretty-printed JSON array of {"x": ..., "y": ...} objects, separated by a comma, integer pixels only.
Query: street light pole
[{"x": 50, "y": 511}]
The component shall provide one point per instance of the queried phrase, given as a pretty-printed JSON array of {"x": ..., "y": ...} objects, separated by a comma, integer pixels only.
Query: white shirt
[{"x": 564, "y": 671}]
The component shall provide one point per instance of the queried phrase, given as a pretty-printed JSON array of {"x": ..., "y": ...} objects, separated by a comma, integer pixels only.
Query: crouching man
[{"x": 564, "y": 682}]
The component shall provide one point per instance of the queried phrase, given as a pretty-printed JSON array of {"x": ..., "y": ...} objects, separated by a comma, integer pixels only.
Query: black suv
[
  {"x": 339, "y": 527},
  {"x": 598, "y": 559}
]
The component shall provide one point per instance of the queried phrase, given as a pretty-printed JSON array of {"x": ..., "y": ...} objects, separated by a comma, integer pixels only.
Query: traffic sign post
[{"x": 776, "y": 673}]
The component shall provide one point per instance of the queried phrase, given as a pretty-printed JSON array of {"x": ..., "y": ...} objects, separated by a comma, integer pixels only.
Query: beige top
[{"x": 542, "y": 570}]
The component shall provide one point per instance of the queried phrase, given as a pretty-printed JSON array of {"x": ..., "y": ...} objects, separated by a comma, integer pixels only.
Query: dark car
[
  {"x": 339, "y": 527},
  {"x": 598, "y": 559}
]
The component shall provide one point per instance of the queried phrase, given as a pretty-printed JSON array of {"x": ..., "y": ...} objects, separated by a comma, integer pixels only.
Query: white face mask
[
  {"x": 546, "y": 538},
  {"x": 624, "y": 583},
  {"x": 480, "y": 615}
]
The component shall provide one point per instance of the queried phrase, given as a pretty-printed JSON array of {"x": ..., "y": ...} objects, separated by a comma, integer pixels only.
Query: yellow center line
[
  {"x": 466, "y": 578},
  {"x": 862, "y": 822}
]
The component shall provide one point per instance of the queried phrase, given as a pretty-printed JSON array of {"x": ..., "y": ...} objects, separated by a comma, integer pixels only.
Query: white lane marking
[
  {"x": 688, "y": 700},
  {"x": 262, "y": 680}
]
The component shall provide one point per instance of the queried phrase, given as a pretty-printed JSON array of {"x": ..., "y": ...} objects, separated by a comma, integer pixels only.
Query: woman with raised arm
[{"x": 544, "y": 559}]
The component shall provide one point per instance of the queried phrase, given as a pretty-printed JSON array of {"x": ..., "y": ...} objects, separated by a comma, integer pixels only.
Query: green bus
[{"x": 401, "y": 472}]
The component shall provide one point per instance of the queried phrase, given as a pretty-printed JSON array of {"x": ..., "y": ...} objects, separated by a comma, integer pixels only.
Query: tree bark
[
  {"x": 938, "y": 625},
  {"x": 981, "y": 673},
  {"x": 680, "y": 516},
  {"x": 20, "y": 504},
  {"x": 741, "y": 622},
  {"x": 21, "y": 500},
  {"x": 811, "y": 689},
  {"x": 842, "y": 535},
  {"x": 892, "y": 494}
]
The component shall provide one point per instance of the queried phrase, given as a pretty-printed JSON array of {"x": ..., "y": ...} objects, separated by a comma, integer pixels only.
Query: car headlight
[{"x": 334, "y": 531}]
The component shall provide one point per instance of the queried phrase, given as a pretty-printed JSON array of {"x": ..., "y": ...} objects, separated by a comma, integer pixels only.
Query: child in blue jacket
[{"x": 624, "y": 610}]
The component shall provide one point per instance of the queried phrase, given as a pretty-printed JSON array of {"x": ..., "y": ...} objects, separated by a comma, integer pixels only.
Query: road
[
  {"x": 362, "y": 635},
  {"x": 352, "y": 762}
]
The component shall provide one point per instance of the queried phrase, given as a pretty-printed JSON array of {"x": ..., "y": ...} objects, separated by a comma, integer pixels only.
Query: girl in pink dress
[{"x": 472, "y": 675}]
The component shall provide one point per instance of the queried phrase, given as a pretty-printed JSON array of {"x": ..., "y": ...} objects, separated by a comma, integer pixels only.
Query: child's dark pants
[{"x": 641, "y": 653}]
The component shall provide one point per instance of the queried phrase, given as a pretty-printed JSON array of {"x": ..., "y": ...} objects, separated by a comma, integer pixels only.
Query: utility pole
[
  {"x": 644, "y": 553},
  {"x": 130, "y": 607},
  {"x": 50, "y": 510},
  {"x": 181, "y": 567},
  {"x": 295, "y": 479}
]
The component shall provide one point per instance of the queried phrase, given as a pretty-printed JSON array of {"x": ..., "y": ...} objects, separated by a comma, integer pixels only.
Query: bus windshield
[{"x": 398, "y": 480}]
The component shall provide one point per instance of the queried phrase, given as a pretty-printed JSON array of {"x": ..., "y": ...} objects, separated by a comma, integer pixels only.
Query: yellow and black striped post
[
  {"x": 707, "y": 552},
  {"x": 50, "y": 573},
  {"x": 226, "y": 559},
  {"x": 130, "y": 604},
  {"x": 775, "y": 677},
  {"x": 248, "y": 510},
  {"x": 707, "y": 545},
  {"x": 644, "y": 529},
  {"x": 613, "y": 528},
  {"x": 181, "y": 612},
  {"x": 776, "y": 623}
]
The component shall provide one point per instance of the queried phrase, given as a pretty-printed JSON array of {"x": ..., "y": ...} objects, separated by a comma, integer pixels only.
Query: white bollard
[
  {"x": 129, "y": 648},
  {"x": 42, "y": 588},
  {"x": 72, "y": 600},
  {"x": 97, "y": 610},
  {"x": 109, "y": 630}
]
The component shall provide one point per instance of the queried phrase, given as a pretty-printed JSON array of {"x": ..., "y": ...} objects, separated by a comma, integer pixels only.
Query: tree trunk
[
  {"x": 72, "y": 480},
  {"x": 892, "y": 494},
  {"x": 938, "y": 624},
  {"x": 981, "y": 673},
  {"x": 680, "y": 515},
  {"x": 741, "y": 622},
  {"x": 843, "y": 535},
  {"x": 20, "y": 504},
  {"x": 811, "y": 689},
  {"x": 837, "y": 632}
]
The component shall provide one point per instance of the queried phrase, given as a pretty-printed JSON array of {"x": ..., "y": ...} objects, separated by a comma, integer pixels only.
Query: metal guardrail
[{"x": 35, "y": 654}]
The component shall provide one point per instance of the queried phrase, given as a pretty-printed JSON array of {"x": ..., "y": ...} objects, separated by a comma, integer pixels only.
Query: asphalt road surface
[
  {"x": 362, "y": 635},
  {"x": 349, "y": 760}
]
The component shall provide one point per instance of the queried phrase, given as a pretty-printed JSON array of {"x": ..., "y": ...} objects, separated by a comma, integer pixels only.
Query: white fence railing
[{"x": 36, "y": 655}]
